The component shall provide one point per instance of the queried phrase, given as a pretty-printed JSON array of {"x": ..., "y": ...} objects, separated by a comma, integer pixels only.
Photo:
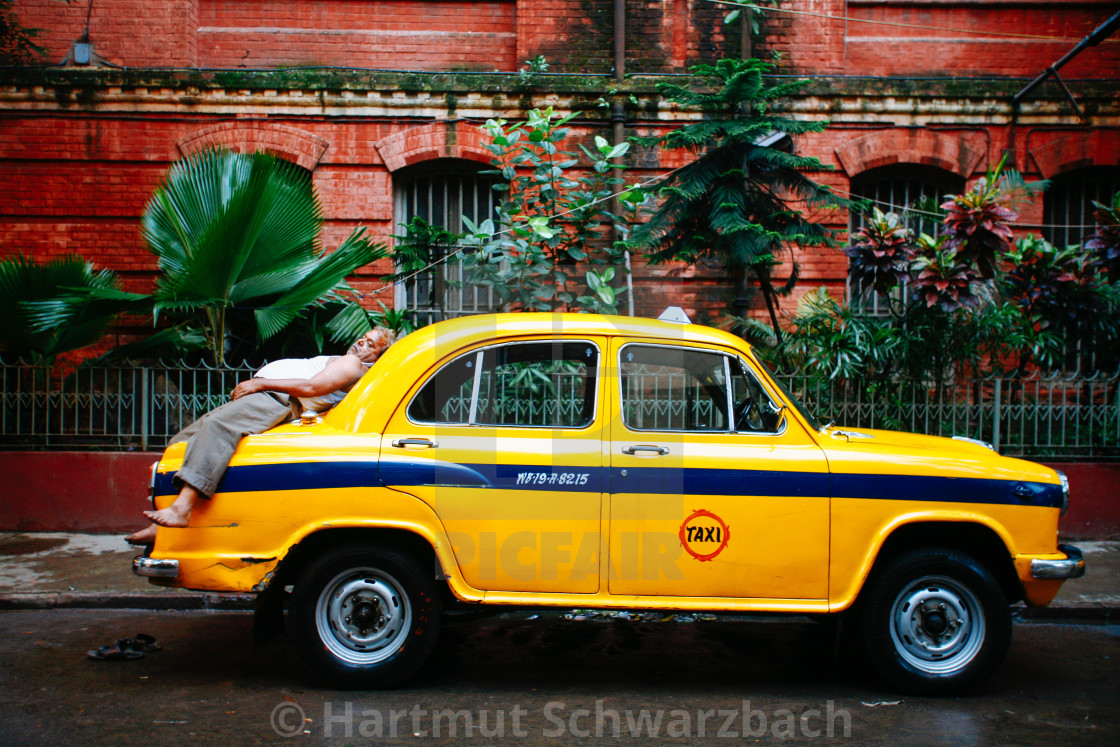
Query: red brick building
[{"x": 380, "y": 101}]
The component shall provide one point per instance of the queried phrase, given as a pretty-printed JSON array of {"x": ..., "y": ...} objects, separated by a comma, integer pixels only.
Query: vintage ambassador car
[{"x": 573, "y": 460}]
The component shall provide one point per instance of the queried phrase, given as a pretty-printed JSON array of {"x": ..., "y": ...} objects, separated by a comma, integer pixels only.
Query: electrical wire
[{"x": 852, "y": 19}]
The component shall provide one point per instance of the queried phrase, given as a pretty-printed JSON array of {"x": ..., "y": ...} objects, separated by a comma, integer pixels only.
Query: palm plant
[
  {"x": 25, "y": 284},
  {"x": 236, "y": 233},
  {"x": 735, "y": 202},
  {"x": 839, "y": 340}
]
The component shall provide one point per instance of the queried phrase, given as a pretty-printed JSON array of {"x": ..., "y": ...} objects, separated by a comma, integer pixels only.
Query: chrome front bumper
[
  {"x": 1072, "y": 567},
  {"x": 142, "y": 565}
]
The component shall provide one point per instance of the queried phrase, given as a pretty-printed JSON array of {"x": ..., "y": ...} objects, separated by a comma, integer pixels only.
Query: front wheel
[
  {"x": 935, "y": 622},
  {"x": 365, "y": 617}
]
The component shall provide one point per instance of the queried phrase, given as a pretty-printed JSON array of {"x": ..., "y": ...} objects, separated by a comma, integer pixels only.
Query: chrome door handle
[
  {"x": 400, "y": 443},
  {"x": 661, "y": 450}
]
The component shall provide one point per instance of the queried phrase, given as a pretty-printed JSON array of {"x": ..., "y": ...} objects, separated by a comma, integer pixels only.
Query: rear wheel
[
  {"x": 365, "y": 617},
  {"x": 935, "y": 622}
]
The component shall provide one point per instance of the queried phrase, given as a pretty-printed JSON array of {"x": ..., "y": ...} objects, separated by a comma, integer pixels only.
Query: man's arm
[{"x": 340, "y": 373}]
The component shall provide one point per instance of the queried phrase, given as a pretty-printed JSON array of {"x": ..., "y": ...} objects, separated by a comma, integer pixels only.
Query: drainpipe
[{"x": 618, "y": 121}]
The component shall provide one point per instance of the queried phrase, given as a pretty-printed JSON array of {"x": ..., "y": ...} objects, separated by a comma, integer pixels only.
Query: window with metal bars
[
  {"x": 909, "y": 190},
  {"x": 1067, "y": 206},
  {"x": 441, "y": 192},
  {"x": 1067, "y": 210}
]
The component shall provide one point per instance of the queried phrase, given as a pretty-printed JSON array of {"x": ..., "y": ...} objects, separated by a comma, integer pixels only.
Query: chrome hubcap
[
  {"x": 937, "y": 625},
  {"x": 363, "y": 616}
]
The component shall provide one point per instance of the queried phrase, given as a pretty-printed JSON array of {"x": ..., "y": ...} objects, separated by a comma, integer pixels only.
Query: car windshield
[{"x": 809, "y": 418}]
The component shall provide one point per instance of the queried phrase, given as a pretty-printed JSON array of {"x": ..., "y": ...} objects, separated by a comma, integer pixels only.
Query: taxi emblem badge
[{"x": 704, "y": 535}]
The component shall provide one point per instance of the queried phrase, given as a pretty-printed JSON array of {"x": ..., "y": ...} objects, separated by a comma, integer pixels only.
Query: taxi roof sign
[{"x": 674, "y": 314}]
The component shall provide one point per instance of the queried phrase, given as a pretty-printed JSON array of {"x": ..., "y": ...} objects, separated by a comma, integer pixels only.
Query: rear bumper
[
  {"x": 1072, "y": 566},
  {"x": 155, "y": 567}
]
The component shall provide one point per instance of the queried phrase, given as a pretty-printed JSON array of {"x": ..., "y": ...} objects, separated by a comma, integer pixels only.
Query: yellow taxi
[{"x": 575, "y": 460}]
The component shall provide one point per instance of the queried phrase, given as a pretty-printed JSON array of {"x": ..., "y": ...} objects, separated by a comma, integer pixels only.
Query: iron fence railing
[
  {"x": 1035, "y": 416},
  {"x": 134, "y": 406},
  {"x": 140, "y": 406}
]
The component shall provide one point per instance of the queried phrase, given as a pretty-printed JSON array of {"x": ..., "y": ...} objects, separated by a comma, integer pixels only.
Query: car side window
[
  {"x": 538, "y": 384},
  {"x": 446, "y": 397},
  {"x": 541, "y": 384},
  {"x": 667, "y": 388},
  {"x": 755, "y": 411}
]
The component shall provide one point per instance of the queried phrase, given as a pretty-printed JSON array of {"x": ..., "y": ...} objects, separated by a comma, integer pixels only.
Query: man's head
[{"x": 372, "y": 344}]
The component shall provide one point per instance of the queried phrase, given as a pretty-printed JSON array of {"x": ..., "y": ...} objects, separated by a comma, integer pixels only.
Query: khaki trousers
[{"x": 212, "y": 439}]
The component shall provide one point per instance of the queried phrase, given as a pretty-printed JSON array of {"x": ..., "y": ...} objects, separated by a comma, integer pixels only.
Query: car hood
[{"x": 870, "y": 451}]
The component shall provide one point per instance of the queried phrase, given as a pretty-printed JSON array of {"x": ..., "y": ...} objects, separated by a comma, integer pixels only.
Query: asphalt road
[{"x": 548, "y": 680}]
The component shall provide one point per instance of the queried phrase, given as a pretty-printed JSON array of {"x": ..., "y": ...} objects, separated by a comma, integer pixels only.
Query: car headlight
[{"x": 1065, "y": 490}]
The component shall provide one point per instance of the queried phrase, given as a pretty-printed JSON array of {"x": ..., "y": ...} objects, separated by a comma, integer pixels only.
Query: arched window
[
  {"x": 909, "y": 190},
  {"x": 441, "y": 192},
  {"x": 1067, "y": 206}
]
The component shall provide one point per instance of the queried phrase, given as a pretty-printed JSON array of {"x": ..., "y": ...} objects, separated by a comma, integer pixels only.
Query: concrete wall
[{"x": 82, "y": 491}]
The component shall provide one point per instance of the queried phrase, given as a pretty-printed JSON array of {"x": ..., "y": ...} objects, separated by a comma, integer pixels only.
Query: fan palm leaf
[
  {"x": 242, "y": 232},
  {"x": 31, "y": 292}
]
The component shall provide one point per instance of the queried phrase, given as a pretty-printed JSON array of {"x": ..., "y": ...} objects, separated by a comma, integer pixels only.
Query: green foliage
[
  {"x": 1062, "y": 292},
  {"x": 839, "y": 341},
  {"x": 239, "y": 236},
  {"x": 748, "y": 6},
  {"x": 940, "y": 279},
  {"x": 355, "y": 321},
  {"x": 735, "y": 203},
  {"x": 532, "y": 69},
  {"x": 880, "y": 253},
  {"x": 977, "y": 222},
  {"x": 29, "y": 290},
  {"x": 421, "y": 247},
  {"x": 1046, "y": 307},
  {"x": 552, "y": 220}
]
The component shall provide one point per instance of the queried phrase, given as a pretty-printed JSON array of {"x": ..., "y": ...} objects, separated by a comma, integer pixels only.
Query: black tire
[
  {"x": 934, "y": 622},
  {"x": 365, "y": 617}
]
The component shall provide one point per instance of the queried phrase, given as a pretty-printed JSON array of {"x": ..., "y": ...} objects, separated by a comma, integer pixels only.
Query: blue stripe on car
[{"x": 646, "y": 480}]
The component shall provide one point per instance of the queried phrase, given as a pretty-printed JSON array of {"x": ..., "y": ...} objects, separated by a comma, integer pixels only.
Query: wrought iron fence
[
  {"x": 133, "y": 406},
  {"x": 141, "y": 406},
  {"x": 1036, "y": 416}
]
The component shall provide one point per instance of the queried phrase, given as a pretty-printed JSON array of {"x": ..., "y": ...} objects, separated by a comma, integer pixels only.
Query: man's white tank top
[{"x": 304, "y": 368}]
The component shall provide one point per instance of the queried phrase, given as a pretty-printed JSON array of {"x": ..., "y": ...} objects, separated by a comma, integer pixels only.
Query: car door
[
  {"x": 715, "y": 489},
  {"x": 504, "y": 442}
]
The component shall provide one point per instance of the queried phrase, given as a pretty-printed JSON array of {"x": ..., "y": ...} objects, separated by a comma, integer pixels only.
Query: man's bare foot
[
  {"x": 170, "y": 516},
  {"x": 145, "y": 536}
]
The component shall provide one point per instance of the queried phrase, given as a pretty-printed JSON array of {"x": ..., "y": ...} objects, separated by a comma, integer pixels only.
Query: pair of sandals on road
[{"x": 124, "y": 649}]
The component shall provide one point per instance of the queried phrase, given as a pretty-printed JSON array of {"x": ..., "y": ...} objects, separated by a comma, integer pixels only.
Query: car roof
[
  {"x": 414, "y": 354},
  {"x": 471, "y": 329}
]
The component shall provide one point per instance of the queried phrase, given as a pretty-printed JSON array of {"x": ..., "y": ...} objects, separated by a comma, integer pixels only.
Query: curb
[{"x": 109, "y": 600}]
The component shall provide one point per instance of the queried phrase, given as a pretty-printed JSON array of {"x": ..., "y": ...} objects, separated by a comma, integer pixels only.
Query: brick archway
[
  {"x": 957, "y": 152},
  {"x": 443, "y": 139},
  {"x": 1076, "y": 151},
  {"x": 291, "y": 143}
]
